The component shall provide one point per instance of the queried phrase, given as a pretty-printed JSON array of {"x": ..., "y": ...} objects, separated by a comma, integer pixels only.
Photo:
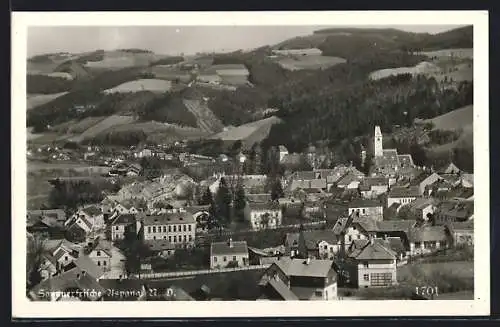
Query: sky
[{"x": 175, "y": 40}]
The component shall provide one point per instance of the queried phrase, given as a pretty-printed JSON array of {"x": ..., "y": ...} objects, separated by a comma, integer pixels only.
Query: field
[
  {"x": 309, "y": 62},
  {"x": 35, "y": 100},
  {"x": 454, "y": 120},
  {"x": 458, "y": 53},
  {"x": 423, "y": 68},
  {"x": 101, "y": 126},
  {"x": 152, "y": 85},
  {"x": 77, "y": 127},
  {"x": 248, "y": 133},
  {"x": 122, "y": 59},
  {"x": 460, "y": 269}
]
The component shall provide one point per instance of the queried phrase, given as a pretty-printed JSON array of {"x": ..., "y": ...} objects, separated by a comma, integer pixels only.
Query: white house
[
  {"x": 366, "y": 208},
  {"x": 121, "y": 224},
  {"x": 263, "y": 215},
  {"x": 428, "y": 239},
  {"x": 227, "y": 253},
  {"x": 283, "y": 152},
  {"x": 93, "y": 215},
  {"x": 402, "y": 195},
  {"x": 177, "y": 227},
  {"x": 101, "y": 255},
  {"x": 123, "y": 208}
]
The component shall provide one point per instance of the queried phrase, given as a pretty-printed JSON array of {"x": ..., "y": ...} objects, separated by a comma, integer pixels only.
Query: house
[
  {"x": 134, "y": 170},
  {"x": 462, "y": 233},
  {"x": 230, "y": 253},
  {"x": 161, "y": 247},
  {"x": 122, "y": 224},
  {"x": 402, "y": 195},
  {"x": 75, "y": 284},
  {"x": 424, "y": 180},
  {"x": 125, "y": 208},
  {"x": 454, "y": 211},
  {"x": 265, "y": 256},
  {"x": 372, "y": 187},
  {"x": 318, "y": 244},
  {"x": 58, "y": 215},
  {"x": 467, "y": 180},
  {"x": 178, "y": 227},
  {"x": 350, "y": 180},
  {"x": 263, "y": 215},
  {"x": 48, "y": 226},
  {"x": 428, "y": 239},
  {"x": 299, "y": 279},
  {"x": 91, "y": 214},
  {"x": 366, "y": 207},
  {"x": 100, "y": 253},
  {"x": 283, "y": 151},
  {"x": 422, "y": 208},
  {"x": 451, "y": 168},
  {"x": 372, "y": 264}
]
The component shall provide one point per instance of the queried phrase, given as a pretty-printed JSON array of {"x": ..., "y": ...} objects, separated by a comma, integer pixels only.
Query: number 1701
[{"x": 427, "y": 290}]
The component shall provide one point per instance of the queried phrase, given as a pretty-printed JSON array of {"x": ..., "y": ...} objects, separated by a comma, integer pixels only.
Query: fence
[{"x": 160, "y": 275}]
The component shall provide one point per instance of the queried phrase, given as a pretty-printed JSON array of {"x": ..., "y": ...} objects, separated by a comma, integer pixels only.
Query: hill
[
  {"x": 102, "y": 126},
  {"x": 459, "y": 119}
]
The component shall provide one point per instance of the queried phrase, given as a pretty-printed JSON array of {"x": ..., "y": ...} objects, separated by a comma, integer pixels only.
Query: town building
[
  {"x": 402, "y": 195},
  {"x": 372, "y": 187},
  {"x": 428, "y": 239},
  {"x": 263, "y": 215},
  {"x": 422, "y": 208},
  {"x": 367, "y": 208},
  {"x": 230, "y": 253},
  {"x": 372, "y": 264},
  {"x": 160, "y": 247},
  {"x": 178, "y": 227},
  {"x": 91, "y": 214},
  {"x": 462, "y": 233},
  {"x": 122, "y": 224},
  {"x": 454, "y": 211},
  {"x": 283, "y": 152},
  {"x": 299, "y": 279},
  {"x": 100, "y": 253}
]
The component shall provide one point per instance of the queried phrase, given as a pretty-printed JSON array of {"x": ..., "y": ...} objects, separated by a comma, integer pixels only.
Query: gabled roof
[
  {"x": 403, "y": 192},
  {"x": 59, "y": 214},
  {"x": 304, "y": 175},
  {"x": 92, "y": 211},
  {"x": 421, "y": 203},
  {"x": 224, "y": 248},
  {"x": 461, "y": 225},
  {"x": 68, "y": 280},
  {"x": 264, "y": 206},
  {"x": 306, "y": 268},
  {"x": 427, "y": 233},
  {"x": 313, "y": 237},
  {"x": 84, "y": 263},
  {"x": 364, "y": 203},
  {"x": 284, "y": 292},
  {"x": 373, "y": 251},
  {"x": 458, "y": 209},
  {"x": 349, "y": 178},
  {"x": 124, "y": 219},
  {"x": 395, "y": 225},
  {"x": 179, "y": 217}
]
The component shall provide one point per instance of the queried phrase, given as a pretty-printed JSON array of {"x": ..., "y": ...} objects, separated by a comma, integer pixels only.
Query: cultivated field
[
  {"x": 309, "y": 62},
  {"x": 35, "y": 100},
  {"x": 460, "y": 269},
  {"x": 102, "y": 126},
  {"x": 206, "y": 119},
  {"x": 423, "y": 68},
  {"x": 152, "y": 85},
  {"x": 249, "y": 133},
  {"x": 454, "y": 120}
]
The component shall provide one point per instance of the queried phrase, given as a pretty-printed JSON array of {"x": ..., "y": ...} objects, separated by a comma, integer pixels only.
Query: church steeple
[{"x": 378, "y": 142}]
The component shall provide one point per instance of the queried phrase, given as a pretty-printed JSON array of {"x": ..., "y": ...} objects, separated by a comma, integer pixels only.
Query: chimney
[{"x": 230, "y": 243}]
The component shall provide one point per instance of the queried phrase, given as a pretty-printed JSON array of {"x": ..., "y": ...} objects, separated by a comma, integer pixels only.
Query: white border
[{"x": 23, "y": 308}]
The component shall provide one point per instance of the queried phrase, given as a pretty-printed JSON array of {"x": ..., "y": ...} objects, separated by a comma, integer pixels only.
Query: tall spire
[{"x": 379, "y": 152}]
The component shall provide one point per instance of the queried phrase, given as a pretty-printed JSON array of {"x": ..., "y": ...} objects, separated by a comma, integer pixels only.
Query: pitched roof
[
  {"x": 59, "y": 214},
  {"x": 92, "y": 211},
  {"x": 421, "y": 203},
  {"x": 224, "y": 248},
  {"x": 427, "y": 233},
  {"x": 349, "y": 178},
  {"x": 84, "y": 263},
  {"x": 262, "y": 198},
  {"x": 364, "y": 203},
  {"x": 368, "y": 182},
  {"x": 373, "y": 251},
  {"x": 179, "y": 217},
  {"x": 395, "y": 225},
  {"x": 264, "y": 206},
  {"x": 313, "y": 237},
  {"x": 461, "y": 225},
  {"x": 124, "y": 219},
  {"x": 402, "y": 192},
  {"x": 318, "y": 183},
  {"x": 458, "y": 209},
  {"x": 304, "y": 175},
  {"x": 285, "y": 293},
  {"x": 307, "y": 268}
]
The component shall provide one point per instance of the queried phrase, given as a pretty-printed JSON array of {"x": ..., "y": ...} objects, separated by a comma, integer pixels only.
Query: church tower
[{"x": 378, "y": 142}]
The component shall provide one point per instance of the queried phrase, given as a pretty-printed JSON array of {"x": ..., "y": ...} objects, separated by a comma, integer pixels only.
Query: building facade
[{"x": 177, "y": 227}]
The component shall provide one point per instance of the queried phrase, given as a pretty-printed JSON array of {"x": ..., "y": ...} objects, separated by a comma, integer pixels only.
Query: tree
[
  {"x": 264, "y": 220},
  {"x": 206, "y": 198},
  {"x": 240, "y": 201},
  {"x": 276, "y": 189},
  {"x": 223, "y": 202},
  {"x": 34, "y": 252}
]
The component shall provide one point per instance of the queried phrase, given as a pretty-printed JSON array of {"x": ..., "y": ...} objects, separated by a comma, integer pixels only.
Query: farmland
[
  {"x": 454, "y": 120},
  {"x": 103, "y": 125},
  {"x": 309, "y": 62},
  {"x": 152, "y": 85},
  {"x": 35, "y": 100},
  {"x": 456, "y": 53}
]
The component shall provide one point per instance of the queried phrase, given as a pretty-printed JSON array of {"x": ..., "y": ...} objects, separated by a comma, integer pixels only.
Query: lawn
[
  {"x": 309, "y": 62},
  {"x": 152, "y": 85},
  {"x": 35, "y": 100}
]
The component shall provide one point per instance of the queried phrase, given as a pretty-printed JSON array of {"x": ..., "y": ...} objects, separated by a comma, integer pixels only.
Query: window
[
  {"x": 170, "y": 239},
  {"x": 185, "y": 227},
  {"x": 169, "y": 228},
  {"x": 326, "y": 247},
  {"x": 359, "y": 237},
  {"x": 175, "y": 239},
  {"x": 366, "y": 277},
  {"x": 154, "y": 229},
  {"x": 116, "y": 228},
  {"x": 185, "y": 238},
  {"x": 98, "y": 263},
  {"x": 234, "y": 258},
  {"x": 350, "y": 238},
  {"x": 168, "y": 252},
  {"x": 417, "y": 244},
  {"x": 164, "y": 237},
  {"x": 164, "y": 229},
  {"x": 98, "y": 253},
  {"x": 318, "y": 293},
  {"x": 175, "y": 228},
  {"x": 363, "y": 211},
  {"x": 365, "y": 264},
  {"x": 224, "y": 259},
  {"x": 66, "y": 258},
  {"x": 154, "y": 238},
  {"x": 104, "y": 263},
  {"x": 381, "y": 279},
  {"x": 190, "y": 237},
  {"x": 215, "y": 259},
  {"x": 189, "y": 228},
  {"x": 149, "y": 229}
]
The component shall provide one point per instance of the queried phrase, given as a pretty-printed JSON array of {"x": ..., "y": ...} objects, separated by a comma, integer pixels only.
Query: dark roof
[
  {"x": 170, "y": 218},
  {"x": 302, "y": 267},
  {"x": 364, "y": 203},
  {"x": 59, "y": 214},
  {"x": 84, "y": 263},
  {"x": 92, "y": 211},
  {"x": 421, "y": 203},
  {"x": 221, "y": 248},
  {"x": 313, "y": 237},
  {"x": 264, "y": 206},
  {"x": 284, "y": 292},
  {"x": 125, "y": 219},
  {"x": 394, "y": 243},
  {"x": 368, "y": 182},
  {"x": 461, "y": 225},
  {"x": 68, "y": 280},
  {"x": 304, "y": 175},
  {"x": 395, "y": 225},
  {"x": 401, "y": 192},
  {"x": 427, "y": 233},
  {"x": 262, "y": 198},
  {"x": 457, "y": 209},
  {"x": 373, "y": 251}
]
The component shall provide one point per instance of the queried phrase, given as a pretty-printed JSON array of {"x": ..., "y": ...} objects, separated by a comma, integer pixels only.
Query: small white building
[
  {"x": 402, "y": 195},
  {"x": 178, "y": 227},
  {"x": 263, "y": 215},
  {"x": 232, "y": 253},
  {"x": 283, "y": 152},
  {"x": 121, "y": 224}
]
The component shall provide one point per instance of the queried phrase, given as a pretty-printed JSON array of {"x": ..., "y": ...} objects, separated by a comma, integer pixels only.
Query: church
[{"x": 388, "y": 163}]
